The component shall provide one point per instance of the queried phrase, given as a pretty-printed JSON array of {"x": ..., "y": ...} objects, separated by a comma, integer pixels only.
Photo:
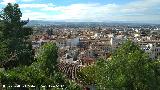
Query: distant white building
[
  {"x": 152, "y": 49},
  {"x": 116, "y": 41}
]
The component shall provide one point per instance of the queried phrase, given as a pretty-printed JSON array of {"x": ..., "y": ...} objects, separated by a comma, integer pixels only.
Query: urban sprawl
[{"x": 82, "y": 46}]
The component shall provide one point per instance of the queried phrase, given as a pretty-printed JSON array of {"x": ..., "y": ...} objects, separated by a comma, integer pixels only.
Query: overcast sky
[{"x": 89, "y": 10}]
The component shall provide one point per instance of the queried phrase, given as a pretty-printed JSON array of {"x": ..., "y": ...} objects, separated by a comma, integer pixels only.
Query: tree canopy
[
  {"x": 42, "y": 72},
  {"x": 15, "y": 43},
  {"x": 130, "y": 69}
]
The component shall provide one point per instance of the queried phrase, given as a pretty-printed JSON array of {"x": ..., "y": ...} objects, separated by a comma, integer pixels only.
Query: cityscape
[{"x": 79, "y": 45}]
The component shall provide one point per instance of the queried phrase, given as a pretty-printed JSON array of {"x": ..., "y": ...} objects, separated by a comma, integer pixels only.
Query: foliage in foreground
[
  {"x": 43, "y": 72},
  {"x": 129, "y": 69}
]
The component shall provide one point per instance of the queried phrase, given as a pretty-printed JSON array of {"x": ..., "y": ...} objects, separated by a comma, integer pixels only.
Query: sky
[{"x": 147, "y": 11}]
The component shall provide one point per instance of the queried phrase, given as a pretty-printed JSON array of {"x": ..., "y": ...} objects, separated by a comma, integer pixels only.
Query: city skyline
[{"x": 144, "y": 11}]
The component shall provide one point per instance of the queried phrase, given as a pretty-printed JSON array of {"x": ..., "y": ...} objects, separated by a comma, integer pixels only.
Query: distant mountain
[{"x": 41, "y": 22}]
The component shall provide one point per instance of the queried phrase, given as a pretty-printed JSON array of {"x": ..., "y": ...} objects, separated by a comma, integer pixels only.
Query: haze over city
[{"x": 141, "y": 11}]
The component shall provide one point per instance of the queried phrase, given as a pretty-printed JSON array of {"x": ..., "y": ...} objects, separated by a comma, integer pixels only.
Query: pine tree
[{"x": 16, "y": 37}]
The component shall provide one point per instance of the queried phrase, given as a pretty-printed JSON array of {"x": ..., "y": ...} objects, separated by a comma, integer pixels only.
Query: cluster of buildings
[{"x": 82, "y": 46}]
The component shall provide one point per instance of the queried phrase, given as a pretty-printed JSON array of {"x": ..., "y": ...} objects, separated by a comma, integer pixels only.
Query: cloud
[
  {"x": 138, "y": 10},
  {"x": 4, "y": 2},
  {"x": 82, "y": 11},
  {"x": 36, "y": 5},
  {"x": 27, "y": 0},
  {"x": 35, "y": 15}
]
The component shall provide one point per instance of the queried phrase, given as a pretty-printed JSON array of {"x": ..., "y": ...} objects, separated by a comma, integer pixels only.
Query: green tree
[
  {"x": 48, "y": 55},
  {"x": 44, "y": 72},
  {"x": 47, "y": 62},
  {"x": 16, "y": 37},
  {"x": 3, "y": 46},
  {"x": 129, "y": 69},
  {"x": 86, "y": 76}
]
